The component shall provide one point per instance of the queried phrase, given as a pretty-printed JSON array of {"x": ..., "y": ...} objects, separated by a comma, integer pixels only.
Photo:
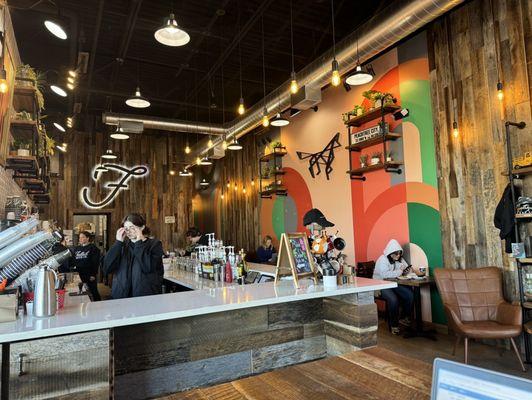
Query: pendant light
[
  {"x": 187, "y": 148},
  {"x": 205, "y": 161},
  {"x": 185, "y": 172},
  {"x": 170, "y": 34},
  {"x": 456, "y": 132},
  {"x": 335, "y": 76},
  {"x": 234, "y": 145},
  {"x": 109, "y": 155},
  {"x": 293, "y": 80},
  {"x": 279, "y": 120},
  {"x": 500, "y": 93},
  {"x": 241, "y": 109},
  {"x": 265, "y": 119},
  {"x": 137, "y": 100},
  {"x": 361, "y": 75},
  {"x": 210, "y": 143},
  {"x": 224, "y": 143},
  {"x": 119, "y": 133},
  {"x": 59, "y": 127},
  {"x": 55, "y": 29},
  {"x": 204, "y": 182}
]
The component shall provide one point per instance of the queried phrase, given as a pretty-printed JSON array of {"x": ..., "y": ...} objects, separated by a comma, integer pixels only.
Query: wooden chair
[{"x": 475, "y": 307}]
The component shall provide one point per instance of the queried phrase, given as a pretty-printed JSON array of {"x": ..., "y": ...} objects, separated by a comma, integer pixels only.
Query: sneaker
[
  {"x": 395, "y": 330},
  {"x": 405, "y": 321}
]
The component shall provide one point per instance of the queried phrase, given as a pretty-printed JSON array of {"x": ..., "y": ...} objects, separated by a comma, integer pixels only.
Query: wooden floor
[{"x": 375, "y": 373}]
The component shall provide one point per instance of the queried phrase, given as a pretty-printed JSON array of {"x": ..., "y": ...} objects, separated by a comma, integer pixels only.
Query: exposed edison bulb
[
  {"x": 187, "y": 149},
  {"x": 265, "y": 121},
  {"x": 244, "y": 190},
  {"x": 171, "y": 172},
  {"x": 500, "y": 93},
  {"x": 222, "y": 196},
  {"x": 4, "y": 87},
  {"x": 224, "y": 144},
  {"x": 456, "y": 132},
  {"x": 253, "y": 182},
  {"x": 198, "y": 160},
  {"x": 236, "y": 187},
  {"x": 241, "y": 109},
  {"x": 335, "y": 78},
  {"x": 293, "y": 86},
  {"x": 228, "y": 185},
  {"x": 210, "y": 142}
]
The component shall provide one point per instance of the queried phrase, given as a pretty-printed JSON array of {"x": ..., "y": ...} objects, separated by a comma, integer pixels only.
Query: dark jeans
[
  {"x": 401, "y": 295},
  {"x": 93, "y": 287}
]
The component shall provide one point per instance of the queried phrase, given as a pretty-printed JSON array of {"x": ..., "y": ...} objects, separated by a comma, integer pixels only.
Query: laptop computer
[{"x": 456, "y": 381}]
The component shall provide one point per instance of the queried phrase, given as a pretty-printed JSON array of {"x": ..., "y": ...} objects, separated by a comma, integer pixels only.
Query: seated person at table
[
  {"x": 195, "y": 238},
  {"x": 391, "y": 265},
  {"x": 266, "y": 251}
]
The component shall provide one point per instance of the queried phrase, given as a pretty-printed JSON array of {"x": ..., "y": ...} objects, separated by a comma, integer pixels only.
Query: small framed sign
[
  {"x": 295, "y": 258},
  {"x": 169, "y": 219},
  {"x": 367, "y": 134}
]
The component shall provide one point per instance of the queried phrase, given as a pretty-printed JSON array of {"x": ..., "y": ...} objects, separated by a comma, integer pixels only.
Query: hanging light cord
[
  {"x": 263, "y": 63},
  {"x": 291, "y": 36},
  {"x": 240, "y": 52},
  {"x": 4, "y": 36},
  {"x": 496, "y": 42},
  {"x": 333, "y": 30}
]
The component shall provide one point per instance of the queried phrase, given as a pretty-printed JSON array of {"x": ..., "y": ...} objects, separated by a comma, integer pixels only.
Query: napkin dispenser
[{"x": 9, "y": 304}]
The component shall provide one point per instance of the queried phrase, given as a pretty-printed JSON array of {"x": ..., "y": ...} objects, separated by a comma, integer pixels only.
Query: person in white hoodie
[{"x": 391, "y": 265}]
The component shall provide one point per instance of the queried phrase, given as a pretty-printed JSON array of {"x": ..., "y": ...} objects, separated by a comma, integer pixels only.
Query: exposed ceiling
[{"x": 179, "y": 81}]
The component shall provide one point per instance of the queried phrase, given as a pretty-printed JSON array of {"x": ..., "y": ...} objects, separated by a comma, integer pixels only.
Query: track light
[
  {"x": 335, "y": 77},
  {"x": 109, "y": 155},
  {"x": 137, "y": 101},
  {"x": 241, "y": 109},
  {"x": 72, "y": 73},
  {"x": 360, "y": 76},
  {"x": 170, "y": 34},
  {"x": 55, "y": 29},
  {"x": 58, "y": 90},
  {"x": 279, "y": 120},
  {"x": 59, "y": 127},
  {"x": 403, "y": 113}
]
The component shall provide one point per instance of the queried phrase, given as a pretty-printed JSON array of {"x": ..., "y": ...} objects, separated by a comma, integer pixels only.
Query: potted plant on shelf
[
  {"x": 277, "y": 147},
  {"x": 358, "y": 110},
  {"x": 266, "y": 173},
  {"x": 371, "y": 96},
  {"x": 22, "y": 116},
  {"x": 30, "y": 77},
  {"x": 389, "y": 156},
  {"x": 363, "y": 160},
  {"x": 376, "y": 158},
  {"x": 23, "y": 147}
]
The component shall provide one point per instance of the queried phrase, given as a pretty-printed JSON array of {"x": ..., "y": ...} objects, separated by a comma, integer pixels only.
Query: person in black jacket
[
  {"x": 135, "y": 260},
  {"x": 195, "y": 238},
  {"x": 87, "y": 261}
]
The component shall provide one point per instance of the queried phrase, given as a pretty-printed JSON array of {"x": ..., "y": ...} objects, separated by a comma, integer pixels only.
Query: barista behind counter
[{"x": 195, "y": 238}]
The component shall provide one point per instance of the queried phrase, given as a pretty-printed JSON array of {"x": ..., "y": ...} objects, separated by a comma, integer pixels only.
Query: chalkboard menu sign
[{"x": 294, "y": 258}]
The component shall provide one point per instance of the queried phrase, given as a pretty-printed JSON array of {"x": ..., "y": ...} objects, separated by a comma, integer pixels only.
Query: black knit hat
[{"x": 316, "y": 216}]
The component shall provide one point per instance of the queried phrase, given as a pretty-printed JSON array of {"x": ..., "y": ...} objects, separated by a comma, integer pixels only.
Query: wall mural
[
  {"x": 385, "y": 206},
  {"x": 115, "y": 187},
  {"x": 324, "y": 157}
]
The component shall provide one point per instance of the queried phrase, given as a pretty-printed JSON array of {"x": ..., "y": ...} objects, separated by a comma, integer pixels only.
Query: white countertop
[
  {"x": 88, "y": 316},
  {"x": 192, "y": 281}
]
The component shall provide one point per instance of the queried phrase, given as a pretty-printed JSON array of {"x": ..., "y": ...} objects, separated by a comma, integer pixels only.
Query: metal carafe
[{"x": 44, "y": 302}]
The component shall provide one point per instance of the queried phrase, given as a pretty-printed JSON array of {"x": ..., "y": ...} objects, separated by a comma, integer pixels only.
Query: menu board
[
  {"x": 294, "y": 258},
  {"x": 298, "y": 247}
]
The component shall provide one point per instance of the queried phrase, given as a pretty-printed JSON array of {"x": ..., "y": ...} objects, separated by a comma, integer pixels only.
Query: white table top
[
  {"x": 90, "y": 316},
  {"x": 192, "y": 281}
]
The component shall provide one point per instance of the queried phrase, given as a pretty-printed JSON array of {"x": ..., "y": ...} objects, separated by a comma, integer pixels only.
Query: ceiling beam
[{"x": 229, "y": 49}]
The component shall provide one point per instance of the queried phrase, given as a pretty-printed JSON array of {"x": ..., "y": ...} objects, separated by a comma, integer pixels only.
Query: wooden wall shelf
[
  {"x": 389, "y": 167},
  {"x": 23, "y": 165},
  {"x": 526, "y": 260},
  {"x": 522, "y": 171},
  {"x": 272, "y": 155},
  {"x": 279, "y": 191},
  {"x": 523, "y": 216},
  {"x": 373, "y": 114},
  {"x": 25, "y": 98},
  {"x": 373, "y": 141}
]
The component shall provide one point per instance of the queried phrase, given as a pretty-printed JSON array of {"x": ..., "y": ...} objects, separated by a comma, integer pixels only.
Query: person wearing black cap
[{"x": 315, "y": 220}]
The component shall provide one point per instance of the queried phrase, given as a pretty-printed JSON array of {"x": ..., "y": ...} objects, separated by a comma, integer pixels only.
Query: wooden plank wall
[
  {"x": 239, "y": 218},
  {"x": 471, "y": 167},
  {"x": 156, "y": 196}
]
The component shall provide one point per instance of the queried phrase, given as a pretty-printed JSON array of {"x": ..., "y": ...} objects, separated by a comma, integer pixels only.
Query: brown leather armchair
[{"x": 475, "y": 307}]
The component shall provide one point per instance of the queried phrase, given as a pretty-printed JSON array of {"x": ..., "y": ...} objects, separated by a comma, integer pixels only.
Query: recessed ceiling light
[
  {"x": 60, "y": 127},
  {"x": 55, "y": 29},
  {"x": 170, "y": 34},
  {"x": 58, "y": 90}
]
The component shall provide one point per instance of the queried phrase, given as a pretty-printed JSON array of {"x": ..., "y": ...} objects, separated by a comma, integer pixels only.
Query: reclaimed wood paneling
[
  {"x": 155, "y": 196},
  {"x": 471, "y": 178}
]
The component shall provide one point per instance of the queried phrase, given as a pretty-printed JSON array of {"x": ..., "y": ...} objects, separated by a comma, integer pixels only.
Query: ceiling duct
[
  {"x": 131, "y": 126},
  {"x": 391, "y": 25},
  {"x": 306, "y": 97}
]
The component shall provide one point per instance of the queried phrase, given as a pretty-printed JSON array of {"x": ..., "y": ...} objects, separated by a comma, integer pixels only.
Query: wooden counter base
[{"x": 175, "y": 355}]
